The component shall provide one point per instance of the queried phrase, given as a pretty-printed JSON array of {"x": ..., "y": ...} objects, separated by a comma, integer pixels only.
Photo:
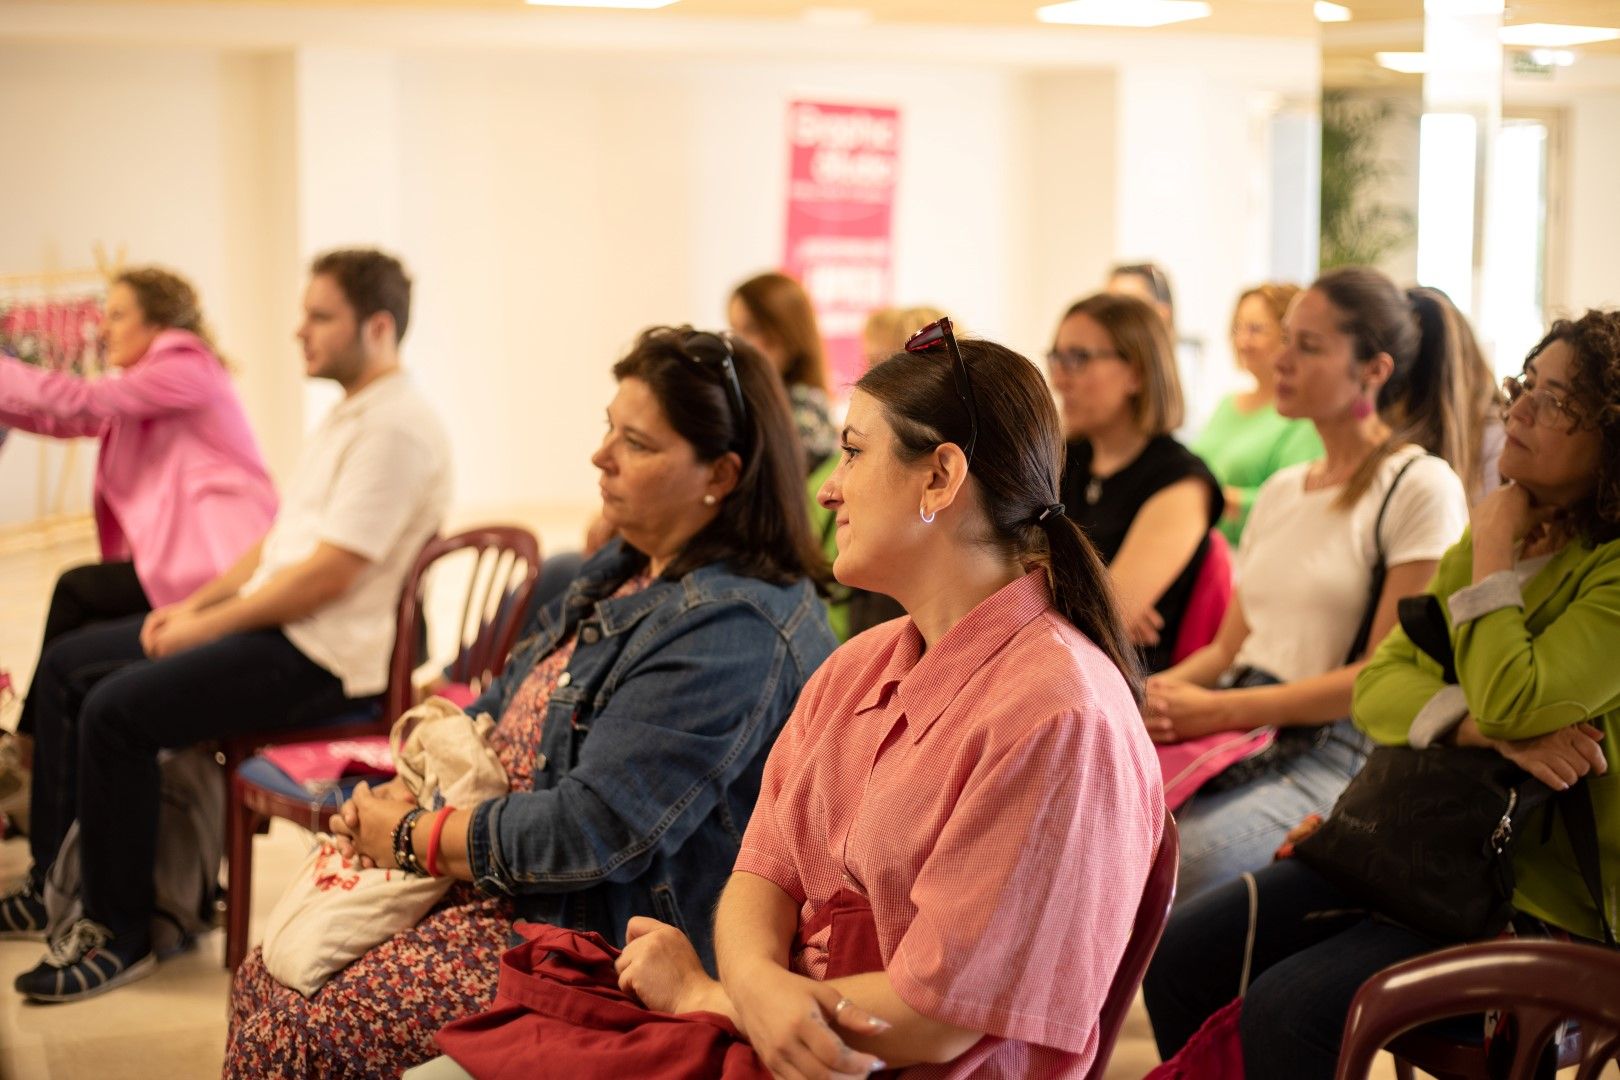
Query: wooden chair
[
  {"x": 506, "y": 563},
  {"x": 1152, "y": 912},
  {"x": 1536, "y": 984}
]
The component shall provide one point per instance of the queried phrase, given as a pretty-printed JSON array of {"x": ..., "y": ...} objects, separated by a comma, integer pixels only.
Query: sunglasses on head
[
  {"x": 714, "y": 352},
  {"x": 931, "y": 336}
]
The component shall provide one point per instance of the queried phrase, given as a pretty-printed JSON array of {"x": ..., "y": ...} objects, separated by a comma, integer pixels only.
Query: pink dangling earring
[{"x": 1363, "y": 408}]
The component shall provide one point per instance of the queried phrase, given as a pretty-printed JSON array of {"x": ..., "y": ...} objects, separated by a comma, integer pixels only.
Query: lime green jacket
[
  {"x": 822, "y": 524},
  {"x": 1527, "y": 665}
]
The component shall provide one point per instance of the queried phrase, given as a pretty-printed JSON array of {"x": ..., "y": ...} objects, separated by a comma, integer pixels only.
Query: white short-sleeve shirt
[
  {"x": 373, "y": 479},
  {"x": 1305, "y": 565}
]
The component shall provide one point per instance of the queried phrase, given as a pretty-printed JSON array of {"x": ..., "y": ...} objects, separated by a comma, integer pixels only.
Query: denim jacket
[{"x": 653, "y": 745}]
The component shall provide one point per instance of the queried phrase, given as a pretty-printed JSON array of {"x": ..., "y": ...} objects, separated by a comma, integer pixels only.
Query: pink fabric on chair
[
  {"x": 1206, "y": 607},
  {"x": 1187, "y": 765},
  {"x": 181, "y": 488},
  {"x": 315, "y": 764},
  {"x": 458, "y": 694}
]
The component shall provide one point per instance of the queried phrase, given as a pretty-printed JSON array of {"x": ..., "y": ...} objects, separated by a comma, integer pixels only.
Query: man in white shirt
[{"x": 298, "y": 632}]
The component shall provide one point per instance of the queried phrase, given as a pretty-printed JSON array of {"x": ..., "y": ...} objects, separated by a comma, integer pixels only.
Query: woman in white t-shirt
[{"x": 1297, "y": 631}]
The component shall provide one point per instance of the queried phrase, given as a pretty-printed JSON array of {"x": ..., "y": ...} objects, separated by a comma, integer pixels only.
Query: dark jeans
[
  {"x": 1313, "y": 949},
  {"x": 104, "y": 712},
  {"x": 83, "y": 596}
]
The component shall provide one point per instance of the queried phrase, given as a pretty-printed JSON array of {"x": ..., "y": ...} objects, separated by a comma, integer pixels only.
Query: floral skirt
[{"x": 376, "y": 1017}]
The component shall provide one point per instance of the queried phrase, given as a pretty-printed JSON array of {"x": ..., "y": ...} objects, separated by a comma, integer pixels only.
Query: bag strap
[
  {"x": 1248, "y": 944},
  {"x": 1380, "y": 571},
  {"x": 1425, "y": 624},
  {"x": 1580, "y": 821}
]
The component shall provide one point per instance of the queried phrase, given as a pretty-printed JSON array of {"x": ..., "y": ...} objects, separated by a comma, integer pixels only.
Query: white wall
[
  {"x": 550, "y": 201},
  {"x": 1592, "y": 275},
  {"x": 1073, "y": 129},
  {"x": 1194, "y": 195},
  {"x": 142, "y": 149}
]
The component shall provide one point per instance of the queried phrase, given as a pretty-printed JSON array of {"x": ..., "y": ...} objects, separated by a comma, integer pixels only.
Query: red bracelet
[{"x": 433, "y": 840}]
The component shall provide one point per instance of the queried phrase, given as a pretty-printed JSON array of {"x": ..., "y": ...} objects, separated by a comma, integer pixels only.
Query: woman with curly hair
[{"x": 1531, "y": 597}]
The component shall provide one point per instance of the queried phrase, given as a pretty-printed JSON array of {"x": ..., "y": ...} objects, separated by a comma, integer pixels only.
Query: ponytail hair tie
[{"x": 1053, "y": 511}]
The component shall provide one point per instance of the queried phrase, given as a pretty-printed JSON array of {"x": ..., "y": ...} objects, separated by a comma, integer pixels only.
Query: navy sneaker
[
  {"x": 86, "y": 962},
  {"x": 22, "y": 913}
]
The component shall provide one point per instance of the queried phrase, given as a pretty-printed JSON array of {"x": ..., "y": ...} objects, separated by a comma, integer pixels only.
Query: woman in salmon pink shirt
[{"x": 955, "y": 826}]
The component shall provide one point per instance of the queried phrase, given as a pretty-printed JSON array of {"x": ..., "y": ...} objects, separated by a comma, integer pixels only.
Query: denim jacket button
[
  {"x": 564, "y": 679},
  {"x": 540, "y": 763},
  {"x": 589, "y": 635}
]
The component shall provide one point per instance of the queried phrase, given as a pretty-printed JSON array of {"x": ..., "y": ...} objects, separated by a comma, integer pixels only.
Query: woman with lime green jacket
[{"x": 1531, "y": 599}]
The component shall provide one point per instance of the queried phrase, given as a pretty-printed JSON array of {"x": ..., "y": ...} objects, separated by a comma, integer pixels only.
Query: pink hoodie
[{"x": 181, "y": 488}]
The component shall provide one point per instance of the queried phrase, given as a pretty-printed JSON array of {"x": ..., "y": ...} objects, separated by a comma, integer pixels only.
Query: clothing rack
[{"x": 50, "y": 500}]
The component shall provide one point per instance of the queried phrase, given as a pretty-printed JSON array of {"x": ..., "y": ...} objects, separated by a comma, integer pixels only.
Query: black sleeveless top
[{"x": 1113, "y": 503}]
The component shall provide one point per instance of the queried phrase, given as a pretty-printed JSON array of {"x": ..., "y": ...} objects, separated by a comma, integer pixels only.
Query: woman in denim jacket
[{"x": 634, "y": 722}]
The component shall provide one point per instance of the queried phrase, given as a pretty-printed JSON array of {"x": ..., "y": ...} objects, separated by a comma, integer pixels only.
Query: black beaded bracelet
[{"x": 404, "y": 850}]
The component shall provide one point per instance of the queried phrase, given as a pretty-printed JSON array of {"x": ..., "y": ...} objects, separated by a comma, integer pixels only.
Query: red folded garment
[{"x": 558, "y": 1006}]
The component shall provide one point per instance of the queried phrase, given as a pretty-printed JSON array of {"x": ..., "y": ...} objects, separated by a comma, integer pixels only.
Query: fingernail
[
  {"x": 879, "y": 1024},
  {"x": 879, "y": 1066}
]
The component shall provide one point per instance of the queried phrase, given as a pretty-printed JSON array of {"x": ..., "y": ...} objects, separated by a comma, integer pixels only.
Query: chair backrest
[
  {"x": 1538, "y": 983},
  {"x": 1152, "y": 912},
  {"x": 505, "y": 566},
  {"x": 1206, "y": 604}
]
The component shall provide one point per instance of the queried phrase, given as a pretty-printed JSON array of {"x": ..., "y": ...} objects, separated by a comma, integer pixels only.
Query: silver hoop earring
[
  {"x": 708, "y": 500},
  {"x": 927, "y": 519}
]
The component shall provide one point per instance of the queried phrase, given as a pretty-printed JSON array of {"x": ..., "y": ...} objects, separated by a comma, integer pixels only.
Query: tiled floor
[{"x": 173, "y": 1023}]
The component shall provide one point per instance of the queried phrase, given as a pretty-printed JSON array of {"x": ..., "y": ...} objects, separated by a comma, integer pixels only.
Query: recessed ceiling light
[
  {"x": 1123, "y": 12},
  {"x": 1407, "y": 63},
  {"x": 1555, "y": 35},
  {"x": 638, "y": 5},
  {"x": 1326, "y": 11}
]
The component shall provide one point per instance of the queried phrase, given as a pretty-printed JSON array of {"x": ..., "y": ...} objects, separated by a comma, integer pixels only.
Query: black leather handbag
[{"x": 1425, "y": 837}]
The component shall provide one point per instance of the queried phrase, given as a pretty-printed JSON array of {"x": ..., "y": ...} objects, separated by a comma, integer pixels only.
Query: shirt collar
[
  {"x": 928, "y": 682},
  {"x": 376, "y": 390}
]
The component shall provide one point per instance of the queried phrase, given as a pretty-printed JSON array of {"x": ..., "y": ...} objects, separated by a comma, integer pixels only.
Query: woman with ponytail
[
  {"x": 181, "y": 490},
  {"x": 1451, "y": 404},
  {"x": 955, "y": 826},
  {"x": 1329, "y": 549}
]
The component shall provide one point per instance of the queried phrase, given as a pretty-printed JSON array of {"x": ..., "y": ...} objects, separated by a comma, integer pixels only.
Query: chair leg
[{"x": 240, "y": 826}]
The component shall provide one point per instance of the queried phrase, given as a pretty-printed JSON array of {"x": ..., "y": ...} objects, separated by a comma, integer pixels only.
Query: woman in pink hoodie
[{"x": 181, "y": 489}]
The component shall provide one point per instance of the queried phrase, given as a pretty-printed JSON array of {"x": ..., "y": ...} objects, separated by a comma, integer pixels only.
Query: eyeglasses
[
  {"x": 1076, "y": 359},
  {"x": 705, "y": 349},
  {"x": 930, "y": 336},
  {"x": 1546, "y": 408}
]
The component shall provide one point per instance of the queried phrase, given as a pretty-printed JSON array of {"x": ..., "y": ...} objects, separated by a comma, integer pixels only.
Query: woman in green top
[
  {"x": 1532, "y": 601},
  {"x": 1245, "y": 441}
]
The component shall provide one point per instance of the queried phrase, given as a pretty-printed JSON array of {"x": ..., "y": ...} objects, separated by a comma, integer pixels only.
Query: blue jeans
[
  {"x": 1313, "y": 948},
  {"x": 1224, "y": 833}
]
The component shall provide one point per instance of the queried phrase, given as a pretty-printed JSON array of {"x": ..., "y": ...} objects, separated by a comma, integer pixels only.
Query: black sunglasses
[
  {"x": 705, "y": 349},
  {"x": 930, "y": 336}
]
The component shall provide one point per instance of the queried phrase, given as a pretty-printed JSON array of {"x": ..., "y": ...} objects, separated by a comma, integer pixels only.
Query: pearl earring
[{"x": 708, "y": 500}]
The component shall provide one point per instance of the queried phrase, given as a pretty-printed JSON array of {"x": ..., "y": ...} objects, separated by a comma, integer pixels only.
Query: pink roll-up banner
[{"x": 843, "y": 160}]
